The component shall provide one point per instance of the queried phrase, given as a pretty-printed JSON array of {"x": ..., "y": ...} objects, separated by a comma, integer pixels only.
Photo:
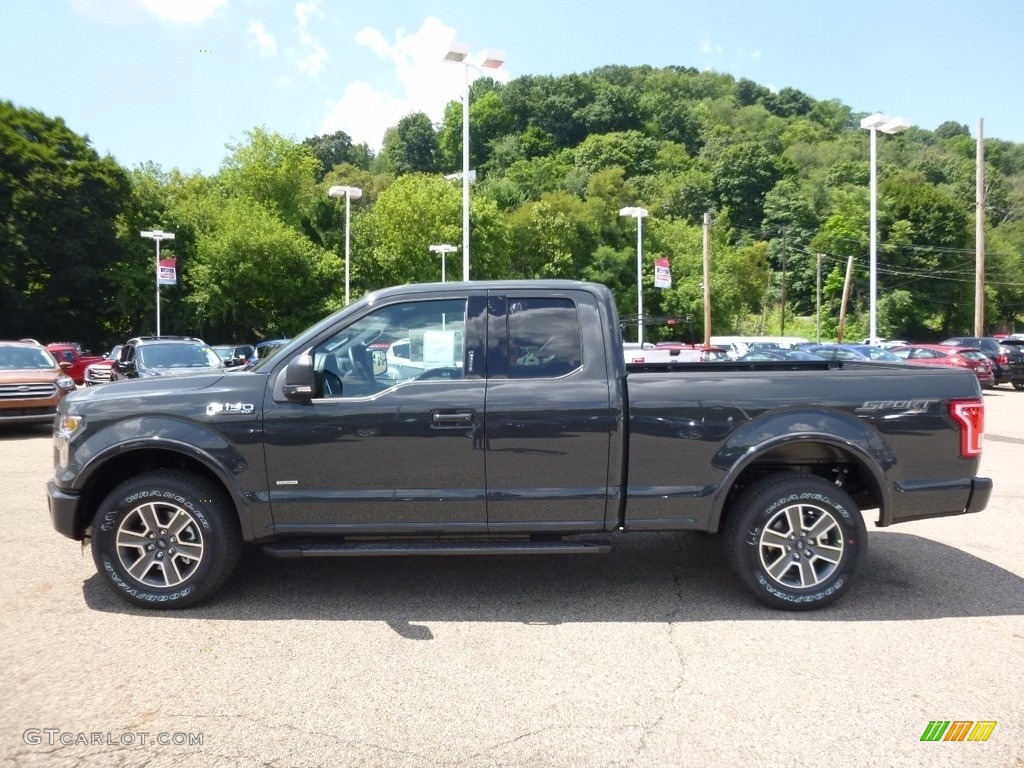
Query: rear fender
[{"x": 802, "y": 430}]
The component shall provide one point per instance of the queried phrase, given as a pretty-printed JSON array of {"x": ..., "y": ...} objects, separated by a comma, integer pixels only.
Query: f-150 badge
[{"x": 241, "y": 408}]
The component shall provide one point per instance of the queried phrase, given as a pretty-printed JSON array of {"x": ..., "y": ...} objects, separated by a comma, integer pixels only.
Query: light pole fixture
[
  {"x": 443, "y": 249},
  {"x": 875, "y": 123},
  {"x": 350, "y": 194},
  {"x": 458, "y": 53},
  {"x": 157, "y": 235},
  {"x": 638, "y": 214}
]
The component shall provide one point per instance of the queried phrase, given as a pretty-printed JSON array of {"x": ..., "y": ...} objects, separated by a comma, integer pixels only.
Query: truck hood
[
  {"x": 29, "y": 375},
  {"x": 135, "y": 388}
]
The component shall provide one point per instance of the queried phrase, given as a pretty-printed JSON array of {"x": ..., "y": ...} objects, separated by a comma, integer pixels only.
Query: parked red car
[
  {"x": 72, "y": 360},
  {"x": 941, "y": 354}
]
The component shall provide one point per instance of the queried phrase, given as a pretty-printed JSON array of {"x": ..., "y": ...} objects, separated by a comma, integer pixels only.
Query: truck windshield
[{"x": 178, "y": 356}]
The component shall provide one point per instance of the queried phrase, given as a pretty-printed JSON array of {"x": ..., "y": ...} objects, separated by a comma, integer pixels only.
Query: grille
[
  {"x": 33, "y": 391},
  {"x": 8, "y": 413},
  {"x": 100, "y": 374}
]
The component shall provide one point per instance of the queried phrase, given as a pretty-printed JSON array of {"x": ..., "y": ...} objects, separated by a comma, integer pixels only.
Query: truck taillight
[{"x": 970, "y": 415}]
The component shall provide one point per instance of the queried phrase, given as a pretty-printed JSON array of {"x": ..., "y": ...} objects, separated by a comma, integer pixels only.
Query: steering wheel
[
  {"x": 533, "y": 358},
  {"x": 331, "y": 385},
  {"x": 358, "y": 365}
]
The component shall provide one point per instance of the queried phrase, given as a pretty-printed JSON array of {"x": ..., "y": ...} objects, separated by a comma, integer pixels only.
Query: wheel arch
[
  {"x": 107, "y": 471},
  {"x": 831, "y": 458}
]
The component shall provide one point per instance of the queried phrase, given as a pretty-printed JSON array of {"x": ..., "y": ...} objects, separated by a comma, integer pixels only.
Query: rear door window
[{"x": 544, "y": 338}]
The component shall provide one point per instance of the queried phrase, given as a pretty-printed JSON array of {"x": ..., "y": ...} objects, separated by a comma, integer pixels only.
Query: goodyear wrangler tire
[
  {"x": 796, "y": 540},
  {"x": 165, "y": 539}
]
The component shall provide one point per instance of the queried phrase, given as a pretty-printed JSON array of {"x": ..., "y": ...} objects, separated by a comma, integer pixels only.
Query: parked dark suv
[
  {"x": 993, "y": 350},
  {"x": 234, "y": 355},
  {"x": 1015, "y": 349},
  {"x": 148, "y": 356}
]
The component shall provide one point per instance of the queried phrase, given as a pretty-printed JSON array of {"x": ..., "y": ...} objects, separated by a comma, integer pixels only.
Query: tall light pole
[
  {"x": 157, "y": 235},
  {"x": 638, "y": 214},
  {"x": 350, "y": 194},
  {"x": 458, "y": 53},
  {"x": 443, "y": 249},
  {"x": 875, "y": 123}
]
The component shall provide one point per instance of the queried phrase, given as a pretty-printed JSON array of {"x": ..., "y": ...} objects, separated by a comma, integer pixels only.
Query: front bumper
[
  {"x": 64, "y": 511},
  {"x": 28, "y": 415}
]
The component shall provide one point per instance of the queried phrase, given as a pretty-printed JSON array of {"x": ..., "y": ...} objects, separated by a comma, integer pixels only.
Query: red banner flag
[
  {"x": 168, "y": 274},
  {"x": 662, "y": 274}
]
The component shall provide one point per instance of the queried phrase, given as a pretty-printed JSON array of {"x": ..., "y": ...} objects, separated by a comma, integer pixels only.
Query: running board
[{"x": 435, "y": 547}]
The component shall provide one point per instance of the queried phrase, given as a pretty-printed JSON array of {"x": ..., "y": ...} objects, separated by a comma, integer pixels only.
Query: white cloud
[
  {"x": 184, "y": 11},
  {"x": 374, "y": 40},
  {"x": 708, "y": 47},
  {"x": 304, "y": 10},
  {"x": 262, "y": 39},
  {"x": 426, "y": 83},
  {"x": 316, "y": 56},
  {"x": 108, "y": 11},
  {"x": 313, "y": 55},
  {"x": 126, "y": 11}
]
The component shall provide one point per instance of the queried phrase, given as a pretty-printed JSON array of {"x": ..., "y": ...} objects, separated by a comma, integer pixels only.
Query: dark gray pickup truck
[{"x": 499, "y": 418}]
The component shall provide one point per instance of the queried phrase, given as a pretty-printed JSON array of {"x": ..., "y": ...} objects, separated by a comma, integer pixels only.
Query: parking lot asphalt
[{"x": 653, "y": 655}]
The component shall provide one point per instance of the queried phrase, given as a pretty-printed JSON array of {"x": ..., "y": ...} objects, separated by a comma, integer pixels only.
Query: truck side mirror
[{"x": 299, "y": 381}]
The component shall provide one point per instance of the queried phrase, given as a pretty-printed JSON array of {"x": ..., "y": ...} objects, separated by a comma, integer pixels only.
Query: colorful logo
[{"x": 958, "y": 730}]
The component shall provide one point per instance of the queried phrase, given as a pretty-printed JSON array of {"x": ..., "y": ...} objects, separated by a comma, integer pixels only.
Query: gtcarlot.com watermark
[{"x": 52, "y": 737}]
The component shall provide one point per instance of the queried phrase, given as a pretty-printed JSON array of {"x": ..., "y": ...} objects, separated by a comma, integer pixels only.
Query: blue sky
[{"x": 174, "y": 81}]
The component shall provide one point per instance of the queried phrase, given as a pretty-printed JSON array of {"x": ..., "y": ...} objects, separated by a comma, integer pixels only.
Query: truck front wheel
[
  {"x": 165, "y": 539},
  {"x": 795, "y": 540}
]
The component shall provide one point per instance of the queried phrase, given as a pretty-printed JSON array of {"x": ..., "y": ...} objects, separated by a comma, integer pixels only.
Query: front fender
[
  {"x": 793, "y": 427},
  {"x": 197, "y": 441}
]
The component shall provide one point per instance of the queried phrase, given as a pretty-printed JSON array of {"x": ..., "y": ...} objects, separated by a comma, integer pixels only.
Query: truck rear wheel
[
  {"x": 165, "y": 539},
  {"x": 796, "y": 540}
]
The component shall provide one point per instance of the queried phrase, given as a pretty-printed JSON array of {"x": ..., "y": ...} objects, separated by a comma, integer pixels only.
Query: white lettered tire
[
  {"x": 796, "y": 540},
  {"x": 165, "y": 539}
]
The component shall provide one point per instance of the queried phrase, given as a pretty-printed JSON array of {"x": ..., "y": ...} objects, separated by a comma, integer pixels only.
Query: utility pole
[
  {"x": 782, "y": 329},
  {"x": 817, "y": 305},
  {"x": 707, "y": 278},
  {"x": 846, "y": 297},
  {"x": 979, "y": 234}
]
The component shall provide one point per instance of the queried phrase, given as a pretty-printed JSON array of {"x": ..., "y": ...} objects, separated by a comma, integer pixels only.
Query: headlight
[
  {"x": 64, "y": 427},
  {"x": 68, "y": 424},
  {"x": 66, "y": 382}
]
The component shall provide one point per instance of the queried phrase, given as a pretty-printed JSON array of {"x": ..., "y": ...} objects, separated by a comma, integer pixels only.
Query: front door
[{"x": 391, "y": 441}]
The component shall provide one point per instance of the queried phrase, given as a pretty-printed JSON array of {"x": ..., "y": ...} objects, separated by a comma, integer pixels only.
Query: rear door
[{"x": 549, "y": 420}]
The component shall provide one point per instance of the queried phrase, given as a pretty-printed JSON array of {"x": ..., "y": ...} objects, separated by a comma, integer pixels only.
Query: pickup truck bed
[{"x": 510, "y": 425}]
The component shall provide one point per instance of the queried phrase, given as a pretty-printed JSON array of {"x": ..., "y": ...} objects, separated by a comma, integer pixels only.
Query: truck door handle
[{"x": 452, "y": 418}]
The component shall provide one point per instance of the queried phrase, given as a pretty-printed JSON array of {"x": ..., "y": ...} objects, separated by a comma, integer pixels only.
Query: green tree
[
  {"x": 253, "y": 273},
  {"x": 418, "y": 211},
  {"x": 631, "y": 151},
  {"x": 744, "y": 174},
  {"x": 410, "y": 146},
  {"x": 59, "y": 202},
  {"x": 553, "y": 237},
  {"x": 275, "y": 171},
  {"x": 490, "y": 122},
  {"x": 336, "y": 148}
]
